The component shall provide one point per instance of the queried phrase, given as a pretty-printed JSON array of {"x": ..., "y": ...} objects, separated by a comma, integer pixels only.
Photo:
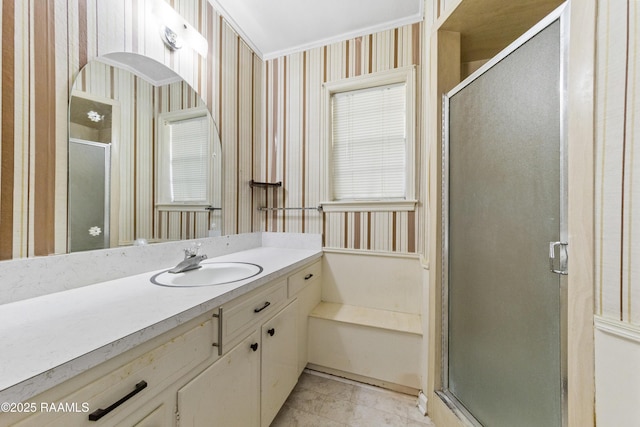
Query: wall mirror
[{"x": 144, "y": 157}]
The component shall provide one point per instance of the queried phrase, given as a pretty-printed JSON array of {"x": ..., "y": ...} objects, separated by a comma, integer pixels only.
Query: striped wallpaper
[
  {"x": 46, "y": 43},
  {"x": 268, "y": 116},
  {"x": 617, "y": 166},
  {"x": 292, "y": 148},
  {"x": 617, "y": 269}
]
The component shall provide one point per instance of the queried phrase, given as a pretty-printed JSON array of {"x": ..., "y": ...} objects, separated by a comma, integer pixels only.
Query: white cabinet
[
  {"x": 305, "y": 286},
  {"x": 156, "y": 418},
  {"x": 227, "y": 392},
  {"x": 247, "y": 386},
  {"x": 245, "y": 313},
  {"x": 231, "y": 370},
  {"x": 279, "y": 361},
  {"x": 128, "y": 389}
]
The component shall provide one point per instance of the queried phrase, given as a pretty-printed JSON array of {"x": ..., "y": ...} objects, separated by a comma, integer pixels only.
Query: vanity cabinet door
[
  {"x": 247, "y": 312},
  {"x": 156, "y": 418},
  {"x": 279, "y": 361},
  {"x": 227, "y": 392},
  {"x": 306, "y": 287}
]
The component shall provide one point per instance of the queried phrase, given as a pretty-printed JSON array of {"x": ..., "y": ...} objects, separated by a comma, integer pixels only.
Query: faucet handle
[{"x": 192, "y": 251}]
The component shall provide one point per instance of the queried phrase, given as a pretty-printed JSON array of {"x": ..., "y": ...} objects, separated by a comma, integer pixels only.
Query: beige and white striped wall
[
  {"x": 46, "y": 43},
  {"x": 617, "y": 213},
  {"x": 292, "y": 148}
]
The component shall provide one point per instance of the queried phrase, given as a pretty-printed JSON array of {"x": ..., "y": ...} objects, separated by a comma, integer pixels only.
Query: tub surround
[{"x": 69, "y": 331}]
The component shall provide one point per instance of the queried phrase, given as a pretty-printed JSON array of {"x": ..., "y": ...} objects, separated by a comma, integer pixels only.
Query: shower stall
[{"x": 505, "y": 254}]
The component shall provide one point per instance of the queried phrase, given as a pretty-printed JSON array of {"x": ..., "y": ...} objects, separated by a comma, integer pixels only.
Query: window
[
  {"x": 370, "y": 156},
  {"x": 185, "y": 159}
]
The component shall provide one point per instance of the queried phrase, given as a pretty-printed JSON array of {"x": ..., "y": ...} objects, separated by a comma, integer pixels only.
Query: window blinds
[
  {"x": 369, "y": 143},
  {"x": 189, "y": 160}
]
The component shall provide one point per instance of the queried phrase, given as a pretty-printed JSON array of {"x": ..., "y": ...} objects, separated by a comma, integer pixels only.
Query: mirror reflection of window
[
  {"x": 189, "y": 160},
  {"x": 185, "y": 159}
]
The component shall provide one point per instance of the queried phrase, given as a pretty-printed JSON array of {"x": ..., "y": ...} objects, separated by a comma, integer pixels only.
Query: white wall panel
[{"x": 617, "y": 348}]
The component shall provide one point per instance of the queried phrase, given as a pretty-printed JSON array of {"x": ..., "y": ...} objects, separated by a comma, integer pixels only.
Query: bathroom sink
[{"x": 209, "y": 274}]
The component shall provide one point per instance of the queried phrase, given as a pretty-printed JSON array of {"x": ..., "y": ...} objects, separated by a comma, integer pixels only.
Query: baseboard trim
[
  {"x": 363, "y": 379},
  {"x": 422, "y": 403}
]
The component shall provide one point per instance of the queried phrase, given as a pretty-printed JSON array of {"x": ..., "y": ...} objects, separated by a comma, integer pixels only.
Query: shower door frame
[{"x": 561, "y": 14}]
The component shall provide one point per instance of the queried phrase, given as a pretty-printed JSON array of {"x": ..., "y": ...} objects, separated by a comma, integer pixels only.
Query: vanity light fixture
[
  {"x": 174, "y": 30},
  {"x": 170, "y": 38},
  {"x": 94, "y": 116}
]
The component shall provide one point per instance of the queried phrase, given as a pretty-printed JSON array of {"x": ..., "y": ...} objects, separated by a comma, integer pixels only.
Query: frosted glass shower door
[
  {"x": 504, "y": 349},
  {"x": 89, "y": 164}
]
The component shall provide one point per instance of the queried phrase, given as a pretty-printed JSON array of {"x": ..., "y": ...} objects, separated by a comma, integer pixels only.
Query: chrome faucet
[{"x": 191, "y": 260}]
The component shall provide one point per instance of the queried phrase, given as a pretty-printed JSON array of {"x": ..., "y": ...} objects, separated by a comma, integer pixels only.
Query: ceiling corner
[{"x": 236, "y": 27}]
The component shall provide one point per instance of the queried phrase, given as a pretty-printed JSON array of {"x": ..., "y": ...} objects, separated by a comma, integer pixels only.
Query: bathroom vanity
[{"x": 130, "y": 352}]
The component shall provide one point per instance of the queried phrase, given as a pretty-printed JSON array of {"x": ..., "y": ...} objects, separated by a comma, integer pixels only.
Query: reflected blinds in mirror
[{"x": 189, "y": 160}]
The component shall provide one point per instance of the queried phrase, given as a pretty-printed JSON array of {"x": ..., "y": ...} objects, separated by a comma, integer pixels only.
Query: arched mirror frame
[{"x": 134, "y": 213}]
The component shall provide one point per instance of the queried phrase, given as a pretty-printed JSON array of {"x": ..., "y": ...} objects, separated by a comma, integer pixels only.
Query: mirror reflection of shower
[{"x": 90, "y": 139}]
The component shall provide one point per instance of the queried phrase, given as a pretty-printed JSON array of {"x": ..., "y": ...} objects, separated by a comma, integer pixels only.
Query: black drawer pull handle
[
  {"x": 271, "y": 332},
  {"x": 308, "y": 276},
  {"x": 99, "y": 413},
  {"x": 258, "y": 310},
  {"x": 254, "y": 346}
]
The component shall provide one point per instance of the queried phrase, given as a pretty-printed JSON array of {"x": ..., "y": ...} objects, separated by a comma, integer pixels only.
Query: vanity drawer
[
  {"x": 140, "y": 380},
  {"x": 241, "y": 316},
  {"x": 304, "y": 277}
]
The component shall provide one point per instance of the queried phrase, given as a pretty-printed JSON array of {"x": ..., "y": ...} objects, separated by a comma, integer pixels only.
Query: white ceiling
[{"x": 274, "y": 28}]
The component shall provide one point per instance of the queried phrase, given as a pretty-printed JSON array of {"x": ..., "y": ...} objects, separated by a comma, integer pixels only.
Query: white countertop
[{"x": 49, "y": 339}]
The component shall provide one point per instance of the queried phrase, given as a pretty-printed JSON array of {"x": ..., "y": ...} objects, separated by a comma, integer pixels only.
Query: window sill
[
  {"x": 370, "y": 206},
  {"x": 181, "y": 208}
]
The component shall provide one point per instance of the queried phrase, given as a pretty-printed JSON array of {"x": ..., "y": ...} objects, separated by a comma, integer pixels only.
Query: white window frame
[
  {"x": 163, "y": 160},
  {"x": 405, "y": 75}
]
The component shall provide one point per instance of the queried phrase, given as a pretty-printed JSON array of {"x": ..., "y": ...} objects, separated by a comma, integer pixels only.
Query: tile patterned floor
[{"x": 320, "y": 400}]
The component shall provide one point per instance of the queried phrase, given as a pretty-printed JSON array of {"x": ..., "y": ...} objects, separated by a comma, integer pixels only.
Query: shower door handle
[{"x": 563, "y": 262}]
